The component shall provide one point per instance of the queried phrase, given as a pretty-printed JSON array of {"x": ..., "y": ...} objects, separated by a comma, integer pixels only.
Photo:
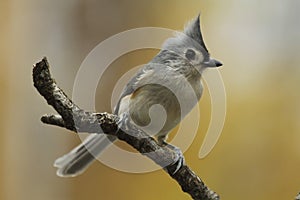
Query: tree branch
[{"x": 75, "y": 119}]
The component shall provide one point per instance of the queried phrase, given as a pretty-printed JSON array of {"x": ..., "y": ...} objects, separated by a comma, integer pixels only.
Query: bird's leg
[{"x": 178, "y": 160}]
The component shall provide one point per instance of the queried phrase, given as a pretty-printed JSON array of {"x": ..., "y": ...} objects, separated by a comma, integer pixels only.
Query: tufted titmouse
[{"x": 172, "y": 79}]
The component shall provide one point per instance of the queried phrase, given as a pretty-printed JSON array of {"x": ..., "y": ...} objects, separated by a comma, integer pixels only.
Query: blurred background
[{"x": 258, "y": 154}]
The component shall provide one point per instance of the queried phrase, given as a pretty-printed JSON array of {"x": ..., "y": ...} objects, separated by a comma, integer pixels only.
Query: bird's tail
[{"x": 76, "y": 161}]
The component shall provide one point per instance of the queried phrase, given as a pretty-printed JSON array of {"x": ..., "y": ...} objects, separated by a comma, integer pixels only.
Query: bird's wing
[{"x": 142, "y": 77}]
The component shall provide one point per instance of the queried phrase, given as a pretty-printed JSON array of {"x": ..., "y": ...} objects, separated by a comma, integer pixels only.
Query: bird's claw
[{"x": 178, "y": 160}]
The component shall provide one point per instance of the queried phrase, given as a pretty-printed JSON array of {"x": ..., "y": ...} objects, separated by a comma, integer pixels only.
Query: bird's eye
[{"x": 190, "y": 54}]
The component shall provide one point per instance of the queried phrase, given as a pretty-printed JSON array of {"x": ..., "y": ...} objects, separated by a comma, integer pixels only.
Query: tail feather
[{"x": 76, "y": 161}]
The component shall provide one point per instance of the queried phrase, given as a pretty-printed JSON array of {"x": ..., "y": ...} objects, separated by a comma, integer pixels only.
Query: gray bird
[{"x": 172, "y": 79}]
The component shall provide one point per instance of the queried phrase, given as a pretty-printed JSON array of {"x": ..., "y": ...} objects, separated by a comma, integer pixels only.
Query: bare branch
[{"x": 75, "y": 119}]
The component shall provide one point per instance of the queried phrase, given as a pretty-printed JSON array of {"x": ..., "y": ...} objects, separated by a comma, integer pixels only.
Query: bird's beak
[{"x": 213, "y": 63}]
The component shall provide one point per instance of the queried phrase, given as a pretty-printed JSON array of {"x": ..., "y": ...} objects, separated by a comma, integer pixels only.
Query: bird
[{"x": 172, "y": 79}]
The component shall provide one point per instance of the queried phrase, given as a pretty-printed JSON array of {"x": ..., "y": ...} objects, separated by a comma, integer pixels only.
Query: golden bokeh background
[{"x": 258, "y": 154}]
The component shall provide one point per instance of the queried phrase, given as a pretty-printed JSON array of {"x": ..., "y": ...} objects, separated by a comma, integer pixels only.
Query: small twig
[
  {"x": 75, "y": 119},
  {"x": 55, "y": 120}
]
